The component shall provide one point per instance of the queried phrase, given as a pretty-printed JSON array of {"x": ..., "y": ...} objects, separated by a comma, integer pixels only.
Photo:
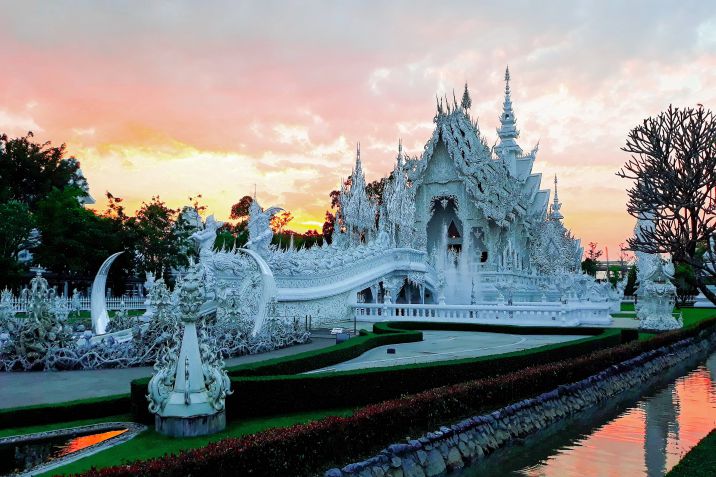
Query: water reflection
[
  {"x": 644, "y": 437},
  {"x": 26, "y": 455}
]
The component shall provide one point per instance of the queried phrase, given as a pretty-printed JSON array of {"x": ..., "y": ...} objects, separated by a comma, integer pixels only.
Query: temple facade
[{"x": 463, "y": 231}]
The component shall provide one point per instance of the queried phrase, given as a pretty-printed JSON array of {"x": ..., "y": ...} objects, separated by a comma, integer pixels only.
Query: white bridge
[{"x": 356, "y": 276}]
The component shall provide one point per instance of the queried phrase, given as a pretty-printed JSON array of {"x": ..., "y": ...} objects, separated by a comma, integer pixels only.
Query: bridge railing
[
  {"x": 20, "y": 305},
  {"x": 545, "y": 313}
]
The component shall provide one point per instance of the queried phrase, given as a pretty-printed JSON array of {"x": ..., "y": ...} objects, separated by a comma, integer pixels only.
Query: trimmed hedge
[
  {"x": 288, "y": 365},
  {"x": 308, "y": 448},
  {"x": 256, "y": 394},
  {"x": 64, "y": 411}
]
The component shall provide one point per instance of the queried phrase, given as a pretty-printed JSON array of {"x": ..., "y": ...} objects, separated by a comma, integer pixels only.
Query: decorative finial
[
  {"x": 554, "y": 212},
  {"x": 358, "y": 151},
  {"x": 507, "y": 80},
  {"x": 466, "y": 100}
]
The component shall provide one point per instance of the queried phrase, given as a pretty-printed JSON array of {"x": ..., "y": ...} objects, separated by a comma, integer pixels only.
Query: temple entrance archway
[{"x": 444, "y": 229}]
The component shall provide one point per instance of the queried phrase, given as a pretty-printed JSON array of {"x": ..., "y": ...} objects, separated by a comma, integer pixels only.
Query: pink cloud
[{"x": 244, "y": 96}]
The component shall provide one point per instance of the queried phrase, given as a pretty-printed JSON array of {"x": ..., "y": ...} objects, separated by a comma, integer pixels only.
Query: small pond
[
  {"x": 642, "y": 434},
  {"x": 22, "y": 455}
]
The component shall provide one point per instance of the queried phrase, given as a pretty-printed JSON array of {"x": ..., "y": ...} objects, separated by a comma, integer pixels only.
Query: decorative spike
[
  {"x": 466, "y": 102},
  {"x": 507, "y": 80}
]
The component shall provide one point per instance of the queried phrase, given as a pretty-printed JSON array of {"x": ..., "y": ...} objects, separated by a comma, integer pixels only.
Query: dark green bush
[
  {"x": 275, "y": 387},
  {"x": 65, "y": 411}
]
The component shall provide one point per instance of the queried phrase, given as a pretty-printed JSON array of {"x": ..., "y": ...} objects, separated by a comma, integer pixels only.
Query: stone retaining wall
[{"x": 450, "y": 448}]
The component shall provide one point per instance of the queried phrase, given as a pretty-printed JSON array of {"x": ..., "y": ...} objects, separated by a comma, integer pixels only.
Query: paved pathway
[
  {"x": 445, "y": 345},
  {"x": 25, "y": 389}
]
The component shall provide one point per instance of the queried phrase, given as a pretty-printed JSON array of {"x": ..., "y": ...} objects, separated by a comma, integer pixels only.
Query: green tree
[
  {"x": 74, "y": 241},
  {"x": 156, "y": 244},
  {"x": 16, "y": 223},
  {"x": 630, "y": 288},
  {"x": 589, "y": 266},
  {"x": 29, "y": 171},
  {"x": 685, "y": 283},
  {"x": 615, "y": 274}
]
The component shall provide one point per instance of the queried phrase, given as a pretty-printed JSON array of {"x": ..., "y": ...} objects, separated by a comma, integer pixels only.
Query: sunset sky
[{"x": 177, "y": 99}]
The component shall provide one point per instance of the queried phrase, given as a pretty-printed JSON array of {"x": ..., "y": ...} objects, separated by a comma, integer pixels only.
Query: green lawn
[
  {"x": 151, "y": 444},
  {"x": 692, "y": 316},
  {"x": 700, "y": 461}
]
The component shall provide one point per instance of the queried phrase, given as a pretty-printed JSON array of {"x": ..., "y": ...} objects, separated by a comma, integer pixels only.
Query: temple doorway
[{"x": 444, "y": 229}]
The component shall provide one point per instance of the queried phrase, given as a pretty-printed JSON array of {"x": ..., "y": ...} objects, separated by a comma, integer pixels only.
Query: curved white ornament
[
  {"x": 100, "y": 318},
  {"x": 268, "y": 292}
]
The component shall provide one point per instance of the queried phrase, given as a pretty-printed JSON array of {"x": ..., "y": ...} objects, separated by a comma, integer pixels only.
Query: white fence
[
  {"x": 540, "y": 314},
  {"x": 113, "y": 303}
]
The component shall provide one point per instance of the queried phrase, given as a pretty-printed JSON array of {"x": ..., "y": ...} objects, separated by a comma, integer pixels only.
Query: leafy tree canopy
[{"x": 29, "y": 171}]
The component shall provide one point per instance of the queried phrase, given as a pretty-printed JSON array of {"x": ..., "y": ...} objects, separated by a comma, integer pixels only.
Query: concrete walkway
[
  {"x": 29, "y": 388},
  {"x": 446, "y": 345}
]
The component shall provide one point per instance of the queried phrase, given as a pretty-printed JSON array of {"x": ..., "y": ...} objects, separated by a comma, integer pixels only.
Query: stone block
[{"x": 435, "y": 464}]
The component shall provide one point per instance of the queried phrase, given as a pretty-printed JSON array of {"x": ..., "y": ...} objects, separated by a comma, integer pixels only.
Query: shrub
[
  {"x": 65, "y": 411},
  {"x": 256, "y": 394}
]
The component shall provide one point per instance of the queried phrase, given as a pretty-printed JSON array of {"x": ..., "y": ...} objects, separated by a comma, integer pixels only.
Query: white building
[{"x": 463, "y": 231}]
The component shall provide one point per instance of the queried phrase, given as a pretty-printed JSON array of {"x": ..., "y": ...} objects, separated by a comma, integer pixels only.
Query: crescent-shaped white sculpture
[
  {"x": 268, "y": 291},
  {"x": 100, "y": 317}
]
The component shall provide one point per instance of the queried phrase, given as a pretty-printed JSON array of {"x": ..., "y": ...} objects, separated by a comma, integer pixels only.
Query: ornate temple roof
[{"x": 499, "y": 180}]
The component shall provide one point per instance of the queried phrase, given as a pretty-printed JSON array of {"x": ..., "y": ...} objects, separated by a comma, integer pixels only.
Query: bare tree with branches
[{"x": 673, "y": 166}]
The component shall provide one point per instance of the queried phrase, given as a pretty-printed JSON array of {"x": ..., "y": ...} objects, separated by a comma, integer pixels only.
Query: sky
[{"x": 220, "y": 98}]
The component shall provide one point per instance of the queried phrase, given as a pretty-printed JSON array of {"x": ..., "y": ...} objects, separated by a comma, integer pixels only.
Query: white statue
[
  {"x": 206, "y": 237},
  {"x": 260, "y": 233},
  {"x": 657, "y": 295}
]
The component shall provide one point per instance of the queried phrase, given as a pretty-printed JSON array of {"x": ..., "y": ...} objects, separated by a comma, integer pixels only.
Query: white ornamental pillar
[{"x": 180, "y": 399}]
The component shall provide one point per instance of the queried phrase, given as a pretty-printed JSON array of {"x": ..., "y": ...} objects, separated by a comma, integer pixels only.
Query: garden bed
[
  {"x": 305, "y": 449},
  {"x": 258, "y": 393}
]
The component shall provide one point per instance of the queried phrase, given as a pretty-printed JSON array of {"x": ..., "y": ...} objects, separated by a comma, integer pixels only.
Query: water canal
[{"x": 644, "y": 434}]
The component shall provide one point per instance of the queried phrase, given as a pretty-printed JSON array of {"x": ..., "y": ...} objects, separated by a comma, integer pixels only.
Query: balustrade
[
  {"x": 569, "y": 314},
  {"x": 113, "y": 303}
]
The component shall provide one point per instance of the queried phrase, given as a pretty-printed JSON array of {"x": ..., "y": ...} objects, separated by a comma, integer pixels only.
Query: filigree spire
[
  {"x": 556, "y": 205},
  {"x": 508, "y": 130}
]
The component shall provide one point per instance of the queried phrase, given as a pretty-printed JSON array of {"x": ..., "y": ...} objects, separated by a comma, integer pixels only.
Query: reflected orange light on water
[
  {"x": 647, "y": 439},
  {"x": 79, "y": 443}
]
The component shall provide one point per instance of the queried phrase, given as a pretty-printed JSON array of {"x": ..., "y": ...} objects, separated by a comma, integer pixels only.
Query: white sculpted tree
[
  {"x": 357, "y": 209},
  {"x": 399, "y": 204}
]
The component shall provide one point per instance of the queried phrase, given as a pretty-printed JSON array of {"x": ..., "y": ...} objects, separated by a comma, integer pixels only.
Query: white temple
[{"x": 464, "y": 232}]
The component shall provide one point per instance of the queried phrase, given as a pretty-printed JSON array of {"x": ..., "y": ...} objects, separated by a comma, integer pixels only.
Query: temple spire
[
  {"x": 556, "y": 205},
  {"x": 508, "y": 131}
]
